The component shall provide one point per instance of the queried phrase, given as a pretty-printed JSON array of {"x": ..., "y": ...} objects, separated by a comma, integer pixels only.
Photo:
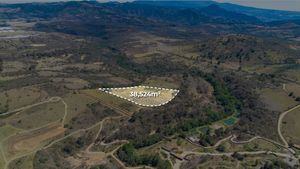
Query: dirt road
[{"x": 282, "y": 115}]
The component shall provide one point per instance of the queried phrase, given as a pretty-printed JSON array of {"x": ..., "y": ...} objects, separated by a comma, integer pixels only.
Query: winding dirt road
[
  {"x": 184, "y": 154},
  {"x": 282, "y": 115}
]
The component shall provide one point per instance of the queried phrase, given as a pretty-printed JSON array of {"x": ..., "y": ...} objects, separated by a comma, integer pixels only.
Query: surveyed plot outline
[{"x": 172, "y": 92}]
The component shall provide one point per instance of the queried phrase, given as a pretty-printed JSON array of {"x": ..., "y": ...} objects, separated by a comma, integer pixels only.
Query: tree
[
  {"x": 238, "y": 156},
  {"x": 127, "y": 154},
  {"x": 221, "y": 148}
]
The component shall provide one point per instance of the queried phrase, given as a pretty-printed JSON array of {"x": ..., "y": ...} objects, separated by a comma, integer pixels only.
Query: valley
[{"x": 88, "y": 85}]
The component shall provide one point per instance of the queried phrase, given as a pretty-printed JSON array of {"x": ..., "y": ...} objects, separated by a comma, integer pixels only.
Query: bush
[
  {"x": 223, "y": 96},
  {"x": 146, "y": 140},
  {"x": 238, "y": 156},
  {"x": 221, "y": 148},
  {"x": 127, "y": 154}
]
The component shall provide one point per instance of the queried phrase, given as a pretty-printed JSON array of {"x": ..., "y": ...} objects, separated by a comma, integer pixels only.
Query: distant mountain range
[
  {"x": 100, "y": 18},
  {"x": 266, "y": 15},
  {"x": 190, "y": 16},
  {"x": 218, "y": 9}
]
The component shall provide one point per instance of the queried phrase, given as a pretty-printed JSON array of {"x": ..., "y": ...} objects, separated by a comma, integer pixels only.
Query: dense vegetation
[
  {"x": 230, "y": 103},
  {"x": 145, "y": 141},
  {"x": 127, "y": 153},
  {"x": 188, "y": 124},
  {"x": 254, "y": 118}
]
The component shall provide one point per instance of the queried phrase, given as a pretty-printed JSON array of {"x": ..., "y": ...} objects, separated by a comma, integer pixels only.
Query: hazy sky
[{"x": 293, "y": 5}]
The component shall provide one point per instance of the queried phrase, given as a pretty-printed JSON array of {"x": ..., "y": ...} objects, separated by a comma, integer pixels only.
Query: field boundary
[{"x": 134, "y": 87}]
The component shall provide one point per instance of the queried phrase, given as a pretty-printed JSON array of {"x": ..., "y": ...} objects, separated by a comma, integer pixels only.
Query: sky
[{"x": 291, "y": 5}]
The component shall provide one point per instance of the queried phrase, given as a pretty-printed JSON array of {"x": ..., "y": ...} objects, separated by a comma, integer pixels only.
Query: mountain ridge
[{"x": 265, "y": 15}]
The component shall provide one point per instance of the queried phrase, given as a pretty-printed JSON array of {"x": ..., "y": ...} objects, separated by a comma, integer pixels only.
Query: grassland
[
  {"x": 13, "y": 66},
  {"x": 109, "y": 100},
  {"x": 291, "y": 127},
  {"x": 277, "y": 99},
  {"x": 17, "y": 98},
  {"x": 72, "y": 83},
  {"x": 256, "y": 145},
  {"x": 77, "y": 103},
  {"x": 290, "y": 71},
  {"x": 38, "y": 116},
  {"x": 7, "y": 130},
  {"x": 223, "y": 162},
  {"x": 293, "y": 88},
  {"x": 24, "y": 162},
  {"x": 164, "y": 97},
  {"x": 293, "y": 74},
  {"x": 228, "y": 162},
  {"x": 166, "y": 82}
]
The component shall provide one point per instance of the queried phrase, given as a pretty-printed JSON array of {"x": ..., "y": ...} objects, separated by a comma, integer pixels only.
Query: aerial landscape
[{"x": 148, "y": 84}]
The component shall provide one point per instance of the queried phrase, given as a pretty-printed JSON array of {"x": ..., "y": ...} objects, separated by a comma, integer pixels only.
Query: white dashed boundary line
[{"x": 149, "y": 87}]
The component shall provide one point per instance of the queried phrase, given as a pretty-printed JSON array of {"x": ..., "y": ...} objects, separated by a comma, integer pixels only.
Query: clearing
[
  {"x": 291, "y": 127},
  {"x": 144, "y": 95}
]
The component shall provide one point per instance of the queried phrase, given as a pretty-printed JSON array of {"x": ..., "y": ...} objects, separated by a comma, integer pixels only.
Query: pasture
[
  {"x": 291, "y": 127},
  {"x": 276, "y": 99}
]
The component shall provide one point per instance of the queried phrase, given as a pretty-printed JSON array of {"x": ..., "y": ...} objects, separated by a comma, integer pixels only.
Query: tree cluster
[{"x": 127, "y": 153}]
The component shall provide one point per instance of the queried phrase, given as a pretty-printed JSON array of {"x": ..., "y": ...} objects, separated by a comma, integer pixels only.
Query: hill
[
  {"x": 265, "y": 15},
  {"x": 247, "y": 50},
  {"x": 209, "y": 14}
]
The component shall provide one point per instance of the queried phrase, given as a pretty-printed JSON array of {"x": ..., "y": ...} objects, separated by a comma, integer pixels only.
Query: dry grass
[
  {"x": 72, "y": 83},
  {"x": 167, "y": 82},
  {"x": 37, "y": 116},
  {"x": 120, "y": 105},
  {"x": 164, "y": 97},
  {"x": 277, "y": 99},
  {"x": 90, "y": 159},
  {"x": 293, "y": 74},
  {"x": 291, "y": 126},
  {"x": 77, "y": 103},
  {"x": 256, "y": 145},
  {"x": 295, "y": 88},
  {"x": 6, "y": 131},
  {"x": 17, "y": 98},
  {"x": 8, "y": 78},
  {"x": 24, "y": 162},
  {"x": 13, "y": 66},
  {"x": 23, "y": 143}
]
